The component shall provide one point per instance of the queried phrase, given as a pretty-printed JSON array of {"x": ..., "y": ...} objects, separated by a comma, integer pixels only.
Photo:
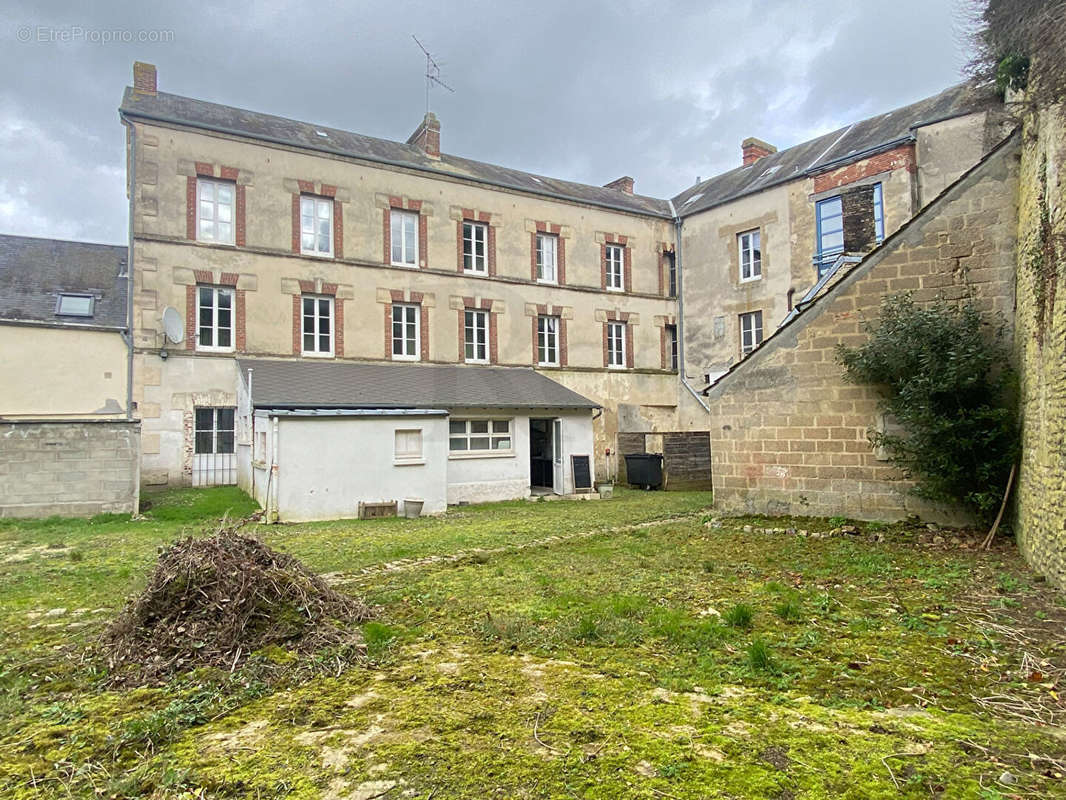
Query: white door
[
  {"x": 558, "y": 464},
  {"x": 214, "y": 461}
]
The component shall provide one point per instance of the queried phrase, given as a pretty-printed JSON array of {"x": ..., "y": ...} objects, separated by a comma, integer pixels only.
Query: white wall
[{"x": 327, "y": 465}]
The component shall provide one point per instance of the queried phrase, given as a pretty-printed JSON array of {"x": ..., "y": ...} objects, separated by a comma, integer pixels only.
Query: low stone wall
[
  {"x": 69, "y": 467},
  {"x": 788, "y": 434}
]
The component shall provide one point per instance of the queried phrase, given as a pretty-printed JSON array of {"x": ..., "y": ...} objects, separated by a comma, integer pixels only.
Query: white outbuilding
[{"x": 320, "y": 440}]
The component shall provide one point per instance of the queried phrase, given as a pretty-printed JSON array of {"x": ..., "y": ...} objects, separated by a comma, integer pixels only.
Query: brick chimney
[
  {"x": 427, "y": 136},
  {"x": 623, "y": 184},
  {"x": 754, "y": 149},
  {"x": 144, "y": 78}
]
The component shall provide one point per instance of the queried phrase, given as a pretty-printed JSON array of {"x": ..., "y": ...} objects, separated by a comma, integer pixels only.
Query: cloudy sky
[{"x": 660, "y": 90}]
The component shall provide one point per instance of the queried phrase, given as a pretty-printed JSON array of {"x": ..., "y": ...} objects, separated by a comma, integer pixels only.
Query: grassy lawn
[{"x": 628, "y": 648}]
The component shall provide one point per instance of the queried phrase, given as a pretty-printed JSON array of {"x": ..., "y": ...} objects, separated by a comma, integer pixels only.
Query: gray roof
[
  {"x": 332, "y": 384},
  {"x": 832, "y": 149},
  {"x": 34, "y": 272},
  {"x": 164, "y": 107}
]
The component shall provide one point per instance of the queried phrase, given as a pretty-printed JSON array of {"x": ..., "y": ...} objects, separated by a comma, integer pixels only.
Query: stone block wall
[
  {"x": 1040, "y": 516},
  {"x": 69, "y": 468},
  {"x": 687, "y": 460},
  {"x": 788, "y": 434}
]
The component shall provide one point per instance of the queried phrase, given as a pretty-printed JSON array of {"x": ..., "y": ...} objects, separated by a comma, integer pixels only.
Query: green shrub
[{"x": 942, "y": 372}]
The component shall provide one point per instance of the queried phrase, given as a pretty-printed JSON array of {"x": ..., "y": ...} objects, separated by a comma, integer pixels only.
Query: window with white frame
[
  {"x": 404, "y": 233},
  {"x": 75, "y": 305},
  {"x": 214, "y": 318},
  {"x": 317, "y": 325},
  {"x": 750, "y": 331},
  {"x": 479, "y": 436},
  {"x": 476, "y": 336},
  {"x": 615, "y": 267},
  {"x": 406, "y": 336},
  {"x": 671, "y": 346},
  {"x": 616, "y": 345},
  {"x": 214, "y": 432},
  {"x": 548, "y": 341},
  {"x": 750, "y": 256},
  {"x": 408, "y": 448},
  {"x": 316, "y": 225},
  {"x": 475, "y": 247},
  {"x": 547, "y": 257},
  {"x": 214, "y": 211}
]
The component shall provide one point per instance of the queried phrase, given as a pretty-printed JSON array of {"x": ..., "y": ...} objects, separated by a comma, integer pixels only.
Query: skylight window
[
  {"x": 694, "y": 198},
  {"x": 323, "y": 134},
  {"x": 75, "y": 305}
]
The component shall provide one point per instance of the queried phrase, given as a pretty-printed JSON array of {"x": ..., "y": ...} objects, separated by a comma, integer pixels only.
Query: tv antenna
[{"x": 432, "y": 72}]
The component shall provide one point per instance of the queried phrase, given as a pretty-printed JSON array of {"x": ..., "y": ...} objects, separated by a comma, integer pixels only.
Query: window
[
  {"x": 616, "y": 344},
  {"x": 750, "y": 331},
  {"x": 317, "y": 326},
  {"x": 214, "y": 211},
  {"x": 214, "y": 317},
  {"x": 214, "y": 430},
  {"x": 671, "y": 346},
  {"x": 750, "y": 256},
  {"x": 75, "y": 305},
  {"x": 479, "y": 436},
  {"x": 829, "y": 215},
  {"x": 316, "y": 225},
  {"x": 671, "y": 274},
  {"x": 615, "y": 261},
  {"x": 409, "y": 447},
  {"x": 547, "y": 252},
  {"x": 475, "y": 258},
  {"x": 548, "y": 341},
  {"x": 879, "y": 214},
  {"x": 404, "y": 238},
  {"x": 406, "y": 337},
  {"x": 476, "y": 336}
]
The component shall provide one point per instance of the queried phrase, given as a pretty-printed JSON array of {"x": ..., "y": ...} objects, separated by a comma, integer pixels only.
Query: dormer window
[{"x": 75, "y": 305}]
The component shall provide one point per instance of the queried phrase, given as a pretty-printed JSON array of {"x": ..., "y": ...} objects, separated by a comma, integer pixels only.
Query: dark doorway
[{"x": 541, "y": 472}]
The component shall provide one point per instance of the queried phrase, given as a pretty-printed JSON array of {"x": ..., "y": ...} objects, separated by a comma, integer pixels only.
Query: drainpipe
[
  {"x": 681, "y": 311},
  {"x": 129, "y": 266}
]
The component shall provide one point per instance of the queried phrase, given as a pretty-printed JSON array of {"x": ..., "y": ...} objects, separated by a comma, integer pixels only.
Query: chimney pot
[
  {"x": 753, "y": 149},
  {"x": 623, "y": 184},
  {"x": 427, "y": 136},
  {"x": 144, "y": 78}
]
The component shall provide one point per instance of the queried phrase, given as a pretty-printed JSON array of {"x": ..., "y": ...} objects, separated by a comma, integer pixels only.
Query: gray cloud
[{"x": 663, "y": 91}]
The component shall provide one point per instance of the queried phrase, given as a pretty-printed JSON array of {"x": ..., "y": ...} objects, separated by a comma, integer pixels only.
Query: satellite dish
[{"x": 173, "y": 326}]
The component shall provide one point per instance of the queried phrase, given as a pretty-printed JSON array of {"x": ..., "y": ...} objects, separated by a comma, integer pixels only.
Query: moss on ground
[{"x": 603, "y": 666}]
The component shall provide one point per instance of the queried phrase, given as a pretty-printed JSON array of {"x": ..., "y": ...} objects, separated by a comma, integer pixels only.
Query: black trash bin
[{"x": 644, "y": 469}]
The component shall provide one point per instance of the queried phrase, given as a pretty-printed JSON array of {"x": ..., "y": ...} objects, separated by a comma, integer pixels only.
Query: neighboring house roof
[
  {"x": 35, "y": 272},
  {"x": 311, "y": 384},
  {"x": 164, "y": 107},
  {"x": 833, "y": 149}
]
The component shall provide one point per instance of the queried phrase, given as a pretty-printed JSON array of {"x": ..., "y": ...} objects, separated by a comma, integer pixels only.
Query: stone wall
[
  {"x": 1040, "y": 519},
  {"x": 70, "y": 468},
  {"x": 687, "y": 460},
  {"x": 788, "y": 434}
]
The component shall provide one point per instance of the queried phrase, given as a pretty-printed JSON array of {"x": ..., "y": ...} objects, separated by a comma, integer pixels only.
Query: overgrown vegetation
[
  {"x": 1019, "y": 45},
  {"x": 583, "y": 653},
  {"x": 943, "y": 374}
]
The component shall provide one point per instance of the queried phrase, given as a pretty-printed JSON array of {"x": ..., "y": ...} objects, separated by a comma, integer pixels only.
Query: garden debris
[{"x": 215, "y": 600}]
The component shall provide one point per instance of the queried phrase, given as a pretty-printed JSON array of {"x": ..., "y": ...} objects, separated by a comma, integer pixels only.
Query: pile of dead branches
[{"x": 213, "y": 601}]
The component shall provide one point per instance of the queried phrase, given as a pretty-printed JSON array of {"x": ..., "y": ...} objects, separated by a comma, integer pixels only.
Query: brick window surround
[
  {"x": 666, "y": 255},
  {"x": 396, "y": 296},
  {"x": 670, "y": 323},
  {"x": 206, "y": 170},
  {"x": 330, "y": 290},
  {"x": 485, "y": 218},
  {"x": 627, "y": 263},
  {"x": 404, "y": 204},
  {"x": 204, "y": 277},
  {"x": 560, "y": 253},
  {"x": 901, "y": 157},
  {"x": 321, "y": 190},
  {"x": 471, "y": 304},
  {"x": 547, "y": 310},
  {"x": 619, "y": 316}
]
